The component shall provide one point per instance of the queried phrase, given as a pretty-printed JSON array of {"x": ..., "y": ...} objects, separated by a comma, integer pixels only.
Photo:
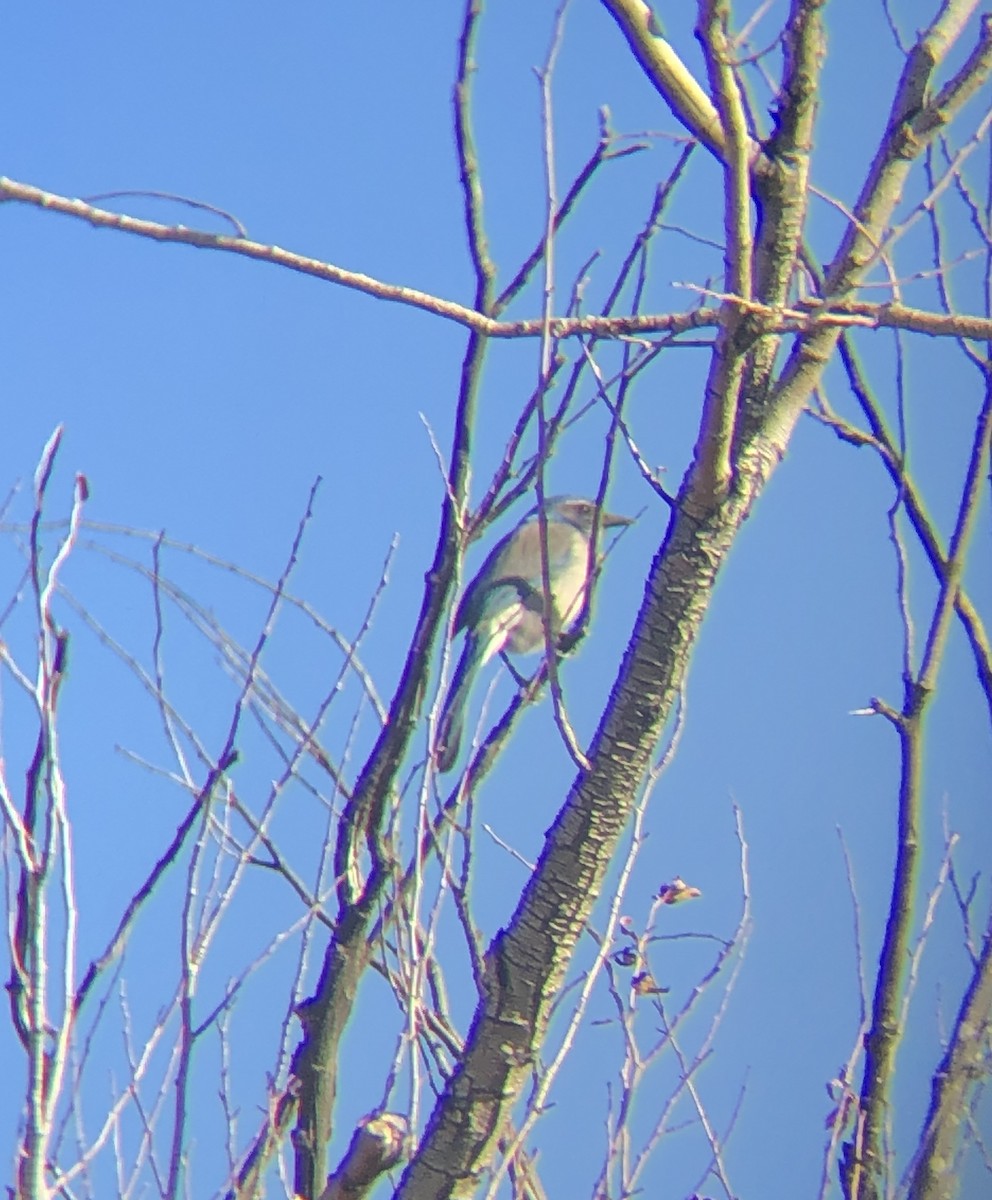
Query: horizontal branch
[{"x": 802, "y": 318}]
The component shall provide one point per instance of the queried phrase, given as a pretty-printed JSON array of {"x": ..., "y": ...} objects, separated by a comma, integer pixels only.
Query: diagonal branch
[
  {"x": 906, "y": 138},
  {"x": 689, "y": 103},
  {"x": 961, "y": 1072},
  {"x": 865, "y": 1168},
  {"x": 527, "y": 962}
]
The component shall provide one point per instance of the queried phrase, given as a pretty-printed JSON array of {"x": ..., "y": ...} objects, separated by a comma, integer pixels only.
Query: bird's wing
[{"x": 507, "y": 606}]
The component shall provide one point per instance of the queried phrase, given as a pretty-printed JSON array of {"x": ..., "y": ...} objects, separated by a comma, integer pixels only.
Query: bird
[{"x": 502, "y": 608}]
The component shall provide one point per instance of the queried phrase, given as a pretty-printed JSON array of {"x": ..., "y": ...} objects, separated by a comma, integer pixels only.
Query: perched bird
[{"x": 502, "y": 608}]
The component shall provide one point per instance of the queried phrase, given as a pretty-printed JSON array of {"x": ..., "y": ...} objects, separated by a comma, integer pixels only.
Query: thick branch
[
  {"x": 689, "y": 103},
  {"x": 964, "y": 1067},
  {"x": 326, "y": 1015},
  {"x": 721, "y": 396},
  {"x": 527, "y": 962},
  {"x": 781, "y": 194},
  {"x": 913, "y": 123},
  {"x": 906, "y": 137}
]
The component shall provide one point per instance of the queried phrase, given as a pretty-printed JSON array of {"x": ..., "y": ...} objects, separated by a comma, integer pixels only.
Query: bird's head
[{"x": 581, "y": 513}]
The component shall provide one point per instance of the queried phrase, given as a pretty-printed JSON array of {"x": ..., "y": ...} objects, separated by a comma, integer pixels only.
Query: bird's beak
[{"x": 607, "y": 520}]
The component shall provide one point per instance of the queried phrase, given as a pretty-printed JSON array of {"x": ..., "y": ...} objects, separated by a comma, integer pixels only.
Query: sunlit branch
[
  {"x": 802, "y": 318},
  {"x": 712, "y": 469},
  {"x": 676, "y": 83}
]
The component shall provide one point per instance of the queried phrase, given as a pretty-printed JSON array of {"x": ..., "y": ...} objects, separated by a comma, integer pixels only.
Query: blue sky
[{"x": 202, "y": 395}]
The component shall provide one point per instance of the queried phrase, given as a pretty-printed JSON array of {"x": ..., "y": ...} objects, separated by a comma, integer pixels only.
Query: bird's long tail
[{"x": 449, "y": 727}]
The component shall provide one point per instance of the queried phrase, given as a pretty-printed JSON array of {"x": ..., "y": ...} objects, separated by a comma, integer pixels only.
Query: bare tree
[{"x": 392, "y": 891}]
